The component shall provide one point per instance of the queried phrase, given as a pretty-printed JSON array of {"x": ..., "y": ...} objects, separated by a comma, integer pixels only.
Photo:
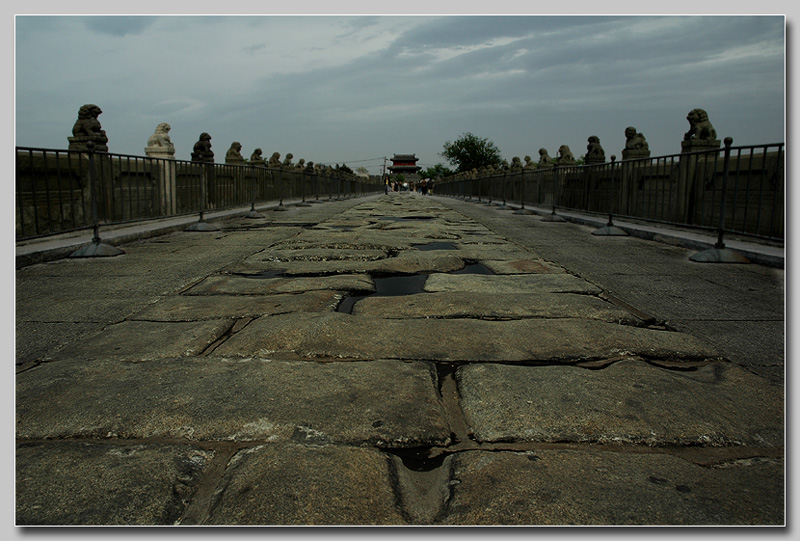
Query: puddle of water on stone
[
  {"x": 394, "y": 286},
  {"x": 389, "y": 286},
  {"x": 436, "y": 246}
]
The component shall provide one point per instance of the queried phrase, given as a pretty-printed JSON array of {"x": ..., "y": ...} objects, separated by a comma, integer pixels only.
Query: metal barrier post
[
  {"x": 96, "y": 248},
  {"x": 303, "y": 203},
  {"x": 553, "y": 217},
  {"x": 316, "y": 197},
  {"x": 201, "y": 224},
  {"x": 503, "y": 206},
  {"x": 610, "y": 229},
  {"x": 522, "y": 209},
  {"x": 280, "y": 207},
  {"x": 719, "y": 253},
  {"x": 253, "y": 213},
  {"x": 488, "y": 183}
]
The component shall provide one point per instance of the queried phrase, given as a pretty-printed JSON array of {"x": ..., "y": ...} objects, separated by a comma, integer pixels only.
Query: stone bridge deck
[{"x": 400, "y": 360}]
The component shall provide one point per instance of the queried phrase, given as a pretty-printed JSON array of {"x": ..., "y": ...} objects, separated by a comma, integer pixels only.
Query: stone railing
[
  {"x": 65, "y": 190},
  {"x": 695, "y": 188}
]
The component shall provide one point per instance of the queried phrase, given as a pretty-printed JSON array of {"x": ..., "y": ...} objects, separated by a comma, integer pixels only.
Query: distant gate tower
[{"x": 405, "y": 164}]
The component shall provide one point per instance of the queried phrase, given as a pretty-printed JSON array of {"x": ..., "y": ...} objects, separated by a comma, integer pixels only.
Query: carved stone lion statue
[
  {"x": 161, "y": 138},
  {"x": 595, "y": 152},
  {"x": 87, "y": 124},
  {"x": 234, "y": 154},
  {"x": 300, "y": 164},
  {"x": 255, "y": 157},
  {"x": 87, "y": 130},
  {"x": 202, "y": 149},
  {"x": 529, "y": 163},
  {"x": 274, "y": 160},
  {"x": 516, "y": 163},
  {"x": 544, "y": 158},
  {"x": 635, "y": 140},
  {"x": 288, "y": 161},
  {"x": 699, "y": 126},
  {"x": 565, "y": 156}
]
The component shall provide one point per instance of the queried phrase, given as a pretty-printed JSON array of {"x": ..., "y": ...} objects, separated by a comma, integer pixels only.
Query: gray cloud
[{"x": 118, "y": 26}]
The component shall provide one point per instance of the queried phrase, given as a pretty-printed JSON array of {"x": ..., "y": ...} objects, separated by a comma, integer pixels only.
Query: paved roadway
[{"x": 401, "y": 360}]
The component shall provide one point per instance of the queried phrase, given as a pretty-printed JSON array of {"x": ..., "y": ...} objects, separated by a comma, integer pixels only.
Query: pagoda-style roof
[
  {"x": 404, "y": 158},
  {"x": 404, "y": 163}
]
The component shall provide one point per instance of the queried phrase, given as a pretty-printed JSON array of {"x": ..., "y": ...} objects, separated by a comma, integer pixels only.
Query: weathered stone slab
[
  {"x": 522, "y": 266},
  {"x": 277, "y": 484},
  {"x": 417, "y": 261},
  {"x": 346, "y": 336},
  {"x": 524, "y": 283},
  {"x": 464, "y": 304},
  {"x": 590, "y": 487},
  {"x": 495, "y": 252},
  {"x": 359, "y": 403},
  {"x": 626, "y": 402},
  {"x": 326, "y": 254},
  {"x": 38, "y": 340},
  {"x": 239, "y": 285},
  {"x": 198, "y": 307},
  {"x": 147, "y": 340},
  {"x": 81, "y": 484},
  {"x": 340, "y": 238},
  {"x": 407, "y": 261}
]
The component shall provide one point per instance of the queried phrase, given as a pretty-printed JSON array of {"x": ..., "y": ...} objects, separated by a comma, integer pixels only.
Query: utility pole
[{"x": 384, "y": 180}]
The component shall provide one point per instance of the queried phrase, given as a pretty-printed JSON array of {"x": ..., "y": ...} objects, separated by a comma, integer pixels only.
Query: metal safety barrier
[
  {"x": 59, "y": 191},
  {"x": 738, "y": 190}
]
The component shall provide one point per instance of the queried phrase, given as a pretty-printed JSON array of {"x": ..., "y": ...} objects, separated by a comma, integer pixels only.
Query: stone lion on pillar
[
  {"x": 699, "y": 126},
  {"x": 87, "y": 124},
  {"x": 635, "y": 140},
  {"x": 161, "y": 138},
  {"x": 234, "y": 153},
  {"x": 202, "y": 149},
  {"x": 256, "y": 159},
  {"x": 544, "y": 159},
  {"x": 565, "y": 156}
]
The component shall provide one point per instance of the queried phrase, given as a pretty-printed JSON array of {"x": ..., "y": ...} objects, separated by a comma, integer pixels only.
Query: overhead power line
[{"x": 361, "y": 161}]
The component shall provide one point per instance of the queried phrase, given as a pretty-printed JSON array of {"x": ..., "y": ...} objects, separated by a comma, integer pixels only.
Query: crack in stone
[{"x": 236, "y": 326}]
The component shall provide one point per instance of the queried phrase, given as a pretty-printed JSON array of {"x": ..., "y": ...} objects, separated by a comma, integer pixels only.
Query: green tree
[
  {"x": 437, "y": 171},
  {"x": 471, "y": 152}
]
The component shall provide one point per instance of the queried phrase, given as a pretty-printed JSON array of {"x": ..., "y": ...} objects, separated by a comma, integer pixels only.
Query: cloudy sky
[{"x": 355, "y": 89}]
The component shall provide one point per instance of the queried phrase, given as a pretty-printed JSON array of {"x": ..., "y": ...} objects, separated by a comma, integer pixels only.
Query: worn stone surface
[
  {"x": 422, "y": 492},
  {"x": 581, "y": 383},
  {"x": 197, "y": 307},
  {"x": 739, "y": 307},
  {"x": 239, "y": 285},
  {"x": 525, "y": 283},
  {"x": 465, "y": 304},
  {"x": 83, "y": 483},
  {"x": 146, "y": 340},
  {"x": 595, "y": 487},
  {"x": 340, "y": 335},
  {"x": 306, "y": 485},
  {"x": 521, "y": 266},
  {"x": 405, "y": 261},
  {"x": 376, "y": 403},
  {"x": 39, "y": 340},
  {"x": 629, "y": 401}
]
